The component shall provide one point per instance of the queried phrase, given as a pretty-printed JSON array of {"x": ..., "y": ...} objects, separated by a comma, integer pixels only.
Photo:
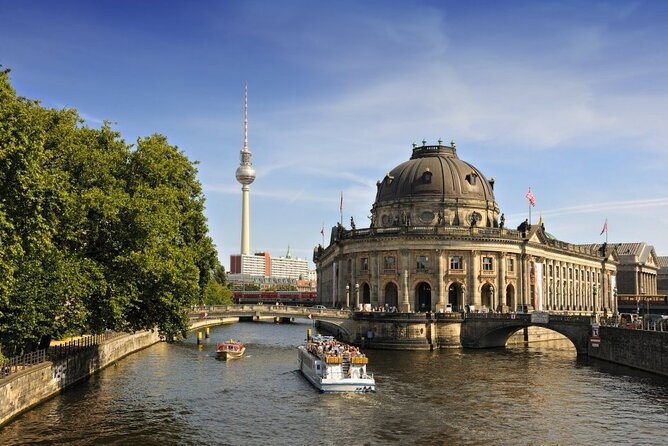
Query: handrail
[{"x": 53, "y": 353}]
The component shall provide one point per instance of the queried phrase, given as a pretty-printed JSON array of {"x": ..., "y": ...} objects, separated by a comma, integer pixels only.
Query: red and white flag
[
  {"x": 531, "y": 198},
  {"x": 605, "y": 227}
]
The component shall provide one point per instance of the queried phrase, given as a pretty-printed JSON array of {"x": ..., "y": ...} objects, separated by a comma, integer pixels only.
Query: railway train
[{"x": 271, "y": 297}]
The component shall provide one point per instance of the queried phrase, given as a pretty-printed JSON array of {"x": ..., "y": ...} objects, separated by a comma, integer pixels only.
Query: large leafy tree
[{"x": 94, "y": 233}]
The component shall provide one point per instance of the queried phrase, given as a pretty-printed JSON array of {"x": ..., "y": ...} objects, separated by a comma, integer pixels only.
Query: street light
[
  {"x": 347, "y": 296},
  {"x": 593, "y": 303},
  {"x": 357, "y": 295}
]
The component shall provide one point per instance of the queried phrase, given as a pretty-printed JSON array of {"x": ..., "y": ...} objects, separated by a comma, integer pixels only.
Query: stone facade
[
  {"x": 662, "y": 276},
  {"x": 637, "y": 269},
  {"x": 640, "y": 349},
  {"x": 437, "y": 242}
]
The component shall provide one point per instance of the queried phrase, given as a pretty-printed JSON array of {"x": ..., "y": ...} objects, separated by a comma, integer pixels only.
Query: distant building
[
  {"x": 289, "y": 267},
  {"x": 264, "y": 270},
  {"x": 637, "y": 270},
  {"x": 662, "y": 275}
]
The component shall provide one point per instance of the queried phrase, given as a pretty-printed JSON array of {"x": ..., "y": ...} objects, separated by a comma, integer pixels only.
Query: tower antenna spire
[{"x": 245, "y": 115}]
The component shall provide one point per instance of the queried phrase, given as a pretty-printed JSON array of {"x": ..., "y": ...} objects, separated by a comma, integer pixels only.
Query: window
[
  {"x": 427, "y": 176},
  {"x": 390, "y": 263},
  {"x": 365, "y": 264},
  {"x": 422, "y": 263},
  {"x": 456, "y": 262},
  {"x": 487, "y": 264},
  {"x": 511, "y": 265}
]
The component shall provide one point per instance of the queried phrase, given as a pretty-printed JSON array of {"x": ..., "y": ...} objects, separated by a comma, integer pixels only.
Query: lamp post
[
  {"x": 491, "y": 298},
  {"x": 347, "y": 296},
  {"x": 593, "y": 303},
  {"x": 357, "y": 295}
]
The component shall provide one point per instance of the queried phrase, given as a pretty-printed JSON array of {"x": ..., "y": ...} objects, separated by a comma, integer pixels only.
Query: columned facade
[{"x": 437, "y": 242}]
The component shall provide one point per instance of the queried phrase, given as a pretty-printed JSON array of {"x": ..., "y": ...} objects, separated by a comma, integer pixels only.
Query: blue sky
[{"x": 568, "y": 98}]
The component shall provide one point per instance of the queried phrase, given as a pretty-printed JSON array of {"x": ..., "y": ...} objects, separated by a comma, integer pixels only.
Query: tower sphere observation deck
[{"x": 245, "y": 173}]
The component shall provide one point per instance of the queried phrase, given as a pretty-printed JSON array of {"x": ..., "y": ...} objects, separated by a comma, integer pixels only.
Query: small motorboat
[{"x": 230, "y": 350}]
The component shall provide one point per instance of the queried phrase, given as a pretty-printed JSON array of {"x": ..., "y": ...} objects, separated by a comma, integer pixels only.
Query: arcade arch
[{"x": 423, "y": 297}]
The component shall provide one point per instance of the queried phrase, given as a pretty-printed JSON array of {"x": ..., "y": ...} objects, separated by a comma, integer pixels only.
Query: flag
[
  {"x": 322, "y": 230},
  {"x": 531, "y": 198},
  {"x": 605, "y": 227}
]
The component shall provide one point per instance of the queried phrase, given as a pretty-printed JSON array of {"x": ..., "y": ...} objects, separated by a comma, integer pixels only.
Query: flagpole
[
  {"x": 606, "y": 231},
  {"x": 529, "y": 214},
  {"x": 341, "y": 208},
  {"x": 322, "y": 232}
]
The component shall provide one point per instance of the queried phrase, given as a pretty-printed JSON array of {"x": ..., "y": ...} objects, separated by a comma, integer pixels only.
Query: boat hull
[
  {"x": 312, "y": 368},
  {"x": 230, "y": 355}
]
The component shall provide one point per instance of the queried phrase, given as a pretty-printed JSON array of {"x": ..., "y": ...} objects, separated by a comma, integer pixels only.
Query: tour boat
[
  {"x": 332, "y": 366},
  {"x": 230, "y": 350}
]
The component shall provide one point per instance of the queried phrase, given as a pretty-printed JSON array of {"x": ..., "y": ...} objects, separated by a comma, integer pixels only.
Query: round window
[{"x": 427, "y": 217}]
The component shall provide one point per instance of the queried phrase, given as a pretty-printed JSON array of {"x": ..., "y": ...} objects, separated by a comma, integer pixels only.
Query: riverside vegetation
[{"x": 95, "y": 234}]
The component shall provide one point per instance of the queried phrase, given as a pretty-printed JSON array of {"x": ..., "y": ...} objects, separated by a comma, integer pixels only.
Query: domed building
[{"x": 438, "y": 242}]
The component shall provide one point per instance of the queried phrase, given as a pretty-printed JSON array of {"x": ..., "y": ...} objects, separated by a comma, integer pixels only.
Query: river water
[{"x": 179, "y": 394}]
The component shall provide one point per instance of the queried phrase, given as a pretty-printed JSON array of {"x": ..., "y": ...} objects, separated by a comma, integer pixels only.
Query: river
[{"x": 179, "y": 394}]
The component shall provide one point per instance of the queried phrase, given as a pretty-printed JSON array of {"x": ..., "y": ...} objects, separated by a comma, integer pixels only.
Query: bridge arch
[{"x": 479, "y": 331}]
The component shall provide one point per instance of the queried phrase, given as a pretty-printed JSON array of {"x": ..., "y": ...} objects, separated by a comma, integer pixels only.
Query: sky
[{"x": 568, "y": 98}]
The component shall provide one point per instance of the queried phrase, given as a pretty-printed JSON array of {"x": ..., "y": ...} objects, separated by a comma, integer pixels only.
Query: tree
[{"x": 94, "y": 234}]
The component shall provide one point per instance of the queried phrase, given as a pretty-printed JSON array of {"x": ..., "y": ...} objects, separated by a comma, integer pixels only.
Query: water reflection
[{"x": 180, "y": 394}]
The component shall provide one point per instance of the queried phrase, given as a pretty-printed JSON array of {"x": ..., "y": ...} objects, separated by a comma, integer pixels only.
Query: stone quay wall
[
  {"x": 640, "y": 349},
  {"x": 27, "y": 388}
]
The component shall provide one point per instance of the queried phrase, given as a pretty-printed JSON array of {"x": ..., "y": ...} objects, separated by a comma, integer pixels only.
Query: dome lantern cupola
[{"x": 435, "y": 182}]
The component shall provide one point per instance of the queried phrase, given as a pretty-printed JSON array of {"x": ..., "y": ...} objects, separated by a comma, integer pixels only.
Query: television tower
[{"x": 245, "y": 175}]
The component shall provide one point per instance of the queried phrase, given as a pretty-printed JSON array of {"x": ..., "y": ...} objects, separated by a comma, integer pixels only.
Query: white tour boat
[{"x": 332, "y": 366}]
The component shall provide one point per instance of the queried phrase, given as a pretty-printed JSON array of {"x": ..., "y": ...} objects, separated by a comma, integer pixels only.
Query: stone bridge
[
  {"x": 408, "y": 330},
  {"x": 485, "y": 330},
  {"x": 266, "y": 311}
]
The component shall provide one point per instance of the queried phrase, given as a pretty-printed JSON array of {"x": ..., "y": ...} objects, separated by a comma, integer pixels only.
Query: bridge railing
[
  {"x": 209, "y": 312},
  {"x": 13, "y": 365},
  {"x": 54, "y": 352},
  {"x": 380, "y": 315}
]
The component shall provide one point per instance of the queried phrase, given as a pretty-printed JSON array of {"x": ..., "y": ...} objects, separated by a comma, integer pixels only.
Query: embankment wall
[
  {"x": 27, "y": 388},
  {"x": 640, "y": 349}
]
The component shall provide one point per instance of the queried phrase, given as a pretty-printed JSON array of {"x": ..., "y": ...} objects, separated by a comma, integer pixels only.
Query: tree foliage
[{"x": 95, "y": 233}]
